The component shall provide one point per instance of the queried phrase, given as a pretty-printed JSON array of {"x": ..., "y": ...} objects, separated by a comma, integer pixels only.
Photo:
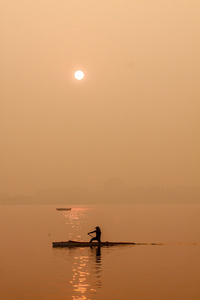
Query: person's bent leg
[{"x": 93, "y": 239}]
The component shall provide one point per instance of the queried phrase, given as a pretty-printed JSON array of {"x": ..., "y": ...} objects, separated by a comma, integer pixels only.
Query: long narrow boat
[
  {"x": 63, "y": 208},
  {"x": 88, "y": 244}
]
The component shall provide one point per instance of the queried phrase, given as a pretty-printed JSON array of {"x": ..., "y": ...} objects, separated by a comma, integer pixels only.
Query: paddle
[{"x": 90, "y": 235}]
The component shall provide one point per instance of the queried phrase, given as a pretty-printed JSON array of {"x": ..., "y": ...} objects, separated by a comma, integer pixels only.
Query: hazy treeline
[{"x": 111, "y": 194}]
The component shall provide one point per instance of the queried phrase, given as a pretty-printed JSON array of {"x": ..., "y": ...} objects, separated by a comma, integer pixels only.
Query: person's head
[{"x": 97, "y": 227}]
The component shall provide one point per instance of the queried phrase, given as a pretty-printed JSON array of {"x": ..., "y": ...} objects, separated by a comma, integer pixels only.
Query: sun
[{"x": 79, "y": 75}]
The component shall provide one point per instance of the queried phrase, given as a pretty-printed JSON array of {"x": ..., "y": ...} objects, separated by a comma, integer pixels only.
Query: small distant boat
[
  {"x": 63, "y": 208},
  {"x": 88, "y": 244}
]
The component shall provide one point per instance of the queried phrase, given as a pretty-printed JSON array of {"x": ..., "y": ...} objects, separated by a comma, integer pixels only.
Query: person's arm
[{"x": 92, "y": 231}]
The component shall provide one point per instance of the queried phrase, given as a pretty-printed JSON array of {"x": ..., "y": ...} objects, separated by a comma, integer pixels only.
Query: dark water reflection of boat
[{"x": 98, "y": 268}]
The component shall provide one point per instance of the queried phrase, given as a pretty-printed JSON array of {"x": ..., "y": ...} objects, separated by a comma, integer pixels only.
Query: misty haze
[
  {"x": 134, "y": 117},
  {"x": 100, "y": 150}
]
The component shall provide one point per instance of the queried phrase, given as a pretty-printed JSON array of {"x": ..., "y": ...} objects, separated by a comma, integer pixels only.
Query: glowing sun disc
[{"x": 79, "y": 75}]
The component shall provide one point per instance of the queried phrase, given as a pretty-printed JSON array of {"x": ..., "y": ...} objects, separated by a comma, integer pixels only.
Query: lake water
[{"x": 31, "y": 269}]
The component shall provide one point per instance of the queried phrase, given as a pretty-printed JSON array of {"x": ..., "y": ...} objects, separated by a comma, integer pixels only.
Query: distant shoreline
[{"x": 117, "y": 195}]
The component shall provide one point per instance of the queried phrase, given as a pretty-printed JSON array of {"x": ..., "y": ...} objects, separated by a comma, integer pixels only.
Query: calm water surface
[{"x": 31, "y": 269}]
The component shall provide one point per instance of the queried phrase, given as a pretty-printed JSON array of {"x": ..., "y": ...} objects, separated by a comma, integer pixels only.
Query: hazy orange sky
[{"x": 135, "y": 115}]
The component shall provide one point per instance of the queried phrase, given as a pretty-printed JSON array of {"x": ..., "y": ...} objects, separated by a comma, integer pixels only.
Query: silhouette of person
[{"x": 98, "y": 235}]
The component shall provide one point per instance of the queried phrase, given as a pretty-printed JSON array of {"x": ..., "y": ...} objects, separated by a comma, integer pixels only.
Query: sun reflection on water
[
  {"x": 85, "y": 268},
  {"x": 75, "y": 219},
  {"x": 85, "y": 263}
]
